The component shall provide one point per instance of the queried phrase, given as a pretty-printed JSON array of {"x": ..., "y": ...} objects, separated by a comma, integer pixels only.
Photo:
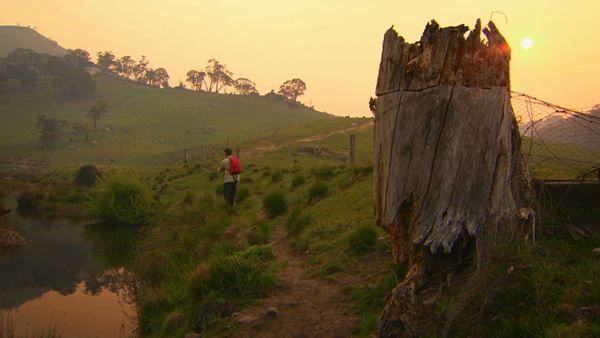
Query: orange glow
[
  {"x": 334, "y": 46},
  {"x": 73, "y": 316}
]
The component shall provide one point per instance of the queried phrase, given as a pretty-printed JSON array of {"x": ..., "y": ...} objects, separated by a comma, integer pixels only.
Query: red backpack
[{"x": 235, "y": 167}]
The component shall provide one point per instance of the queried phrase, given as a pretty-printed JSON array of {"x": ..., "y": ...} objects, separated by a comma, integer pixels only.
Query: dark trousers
[{"x": 229, "y": 192}]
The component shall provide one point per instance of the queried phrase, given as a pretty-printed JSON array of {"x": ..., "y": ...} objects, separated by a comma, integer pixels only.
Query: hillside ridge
[{"x": 13, "y": 37}]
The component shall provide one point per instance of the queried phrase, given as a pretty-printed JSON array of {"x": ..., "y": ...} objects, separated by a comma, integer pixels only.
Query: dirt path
[
  {"x": 305, "y": 307},
  {"x": 266, "y": 145}
]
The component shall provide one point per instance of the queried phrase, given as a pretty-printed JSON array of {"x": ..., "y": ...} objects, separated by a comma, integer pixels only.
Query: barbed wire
[{"x": 557, "y": 142}]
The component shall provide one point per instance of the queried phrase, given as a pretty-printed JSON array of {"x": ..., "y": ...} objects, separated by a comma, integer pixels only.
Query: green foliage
[
  {"x": 240, "y": 275},
  {"x": 296, "y": 222},
  {"x": 242, "y": 194},
  {"x": 275, "y": 204},
  {"x": 247, "y": 180},
  {"x": 51, "y": 130},
  {"x": 370, "y": 300},
  {"x": 213, "y": 176},
  {"x": 76, "y": 84},
  {"x": 298, "y": 181},
  {"x": 30, "y": 199},
  {"x": 260, "y": 234},
  {"x": 362, "y": 239},
  {"x": 87, "y": 175},
  {"x": 276, "y": 177},
  {"x": 235, "y": 278},
  {"x": 188, "y": 198},
  {"x": 323, "y": 172},
  {"x": 122, "y": 199},
  {"x": 318, "y": 191}
]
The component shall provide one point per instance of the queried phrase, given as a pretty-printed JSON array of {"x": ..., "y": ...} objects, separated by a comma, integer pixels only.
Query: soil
[
  {"x": 267, "y": 146},
  {"x": 301, "y": 306}
]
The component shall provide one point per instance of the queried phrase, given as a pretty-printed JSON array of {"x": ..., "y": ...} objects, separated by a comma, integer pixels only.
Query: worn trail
[{"x": 305, "y": 307}]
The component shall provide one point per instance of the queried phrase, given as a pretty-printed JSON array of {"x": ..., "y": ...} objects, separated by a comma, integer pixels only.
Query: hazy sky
[{"x": 334, "y": 46}]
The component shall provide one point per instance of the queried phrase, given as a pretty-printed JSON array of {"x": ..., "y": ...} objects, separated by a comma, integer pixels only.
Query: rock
[
  {"x": 10, "y": 239},
  {"x": 192, "y": 334},
  {"x": 272, "y": 312},
  {"x": 244, "y": 319},
  {"x": 597, "y": 250}
]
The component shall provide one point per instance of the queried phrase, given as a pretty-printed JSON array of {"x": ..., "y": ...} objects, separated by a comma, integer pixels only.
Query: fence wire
[{"x": 557, "y": 142}]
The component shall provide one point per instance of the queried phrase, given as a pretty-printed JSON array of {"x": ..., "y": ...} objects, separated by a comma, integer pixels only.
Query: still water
[{"x": 68, "y": 278}]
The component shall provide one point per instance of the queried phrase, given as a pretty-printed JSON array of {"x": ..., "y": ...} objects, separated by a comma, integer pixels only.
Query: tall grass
[
  {"x": 122, "y": 199},
  {"x": 275, "y": 204}
]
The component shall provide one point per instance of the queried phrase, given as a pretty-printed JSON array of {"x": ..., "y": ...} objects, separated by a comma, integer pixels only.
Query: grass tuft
[{"x": 275, "y": 204}]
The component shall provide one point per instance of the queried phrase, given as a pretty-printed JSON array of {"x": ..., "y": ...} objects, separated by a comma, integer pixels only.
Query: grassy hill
[
  {"x": 141, "y": 124},
  {"x": 13, "y": 37}
]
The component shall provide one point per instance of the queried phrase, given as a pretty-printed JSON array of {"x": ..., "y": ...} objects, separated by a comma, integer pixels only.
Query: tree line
[
  {"x": 67, "y": 72},
  {"x": 133, "y": 70},
  {"x": 216, "y": 77}
]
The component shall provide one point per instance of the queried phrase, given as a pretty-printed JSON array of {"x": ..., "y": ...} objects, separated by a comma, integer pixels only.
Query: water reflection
[{"x": 69, "y": 269}]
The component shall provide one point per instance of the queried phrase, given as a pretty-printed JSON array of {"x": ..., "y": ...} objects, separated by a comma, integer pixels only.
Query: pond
[{"x": 68, "y": 278}]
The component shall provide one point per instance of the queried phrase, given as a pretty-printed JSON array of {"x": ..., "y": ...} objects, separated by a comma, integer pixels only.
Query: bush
[
  {"x": 298, "y": 181},
  {"x": 362, "y": 239},
  {"x": 276, "y": 177},
  {"x": 88, "y": 175},
  {"x": 296, "y": 222},
  {"x": 323, "y": 172},
  {"x": 213, "y": 176},
  {"x": 30, "y": 199},
  {"x": 240, "y": 275},
  {"x": 318, "y": 191},
  {"x": 275, "y": 204},
  {"x": 241, "y": 194},
  {"x": 122, "y": 199},
  {"x": 260, "y": 234}
]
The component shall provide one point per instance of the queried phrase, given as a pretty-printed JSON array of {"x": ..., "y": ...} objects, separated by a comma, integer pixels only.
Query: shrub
[
  {"x": 298, "y": 181},
  {"x": 240, "y": 275},
  {"x": 323, "y": 172},
  {"x": 241, "y": 194},
  {"x": 213, "y": 176},
  {"x": 276, "y": 177},
  {"x": 198, "y": 279},
  {"x": 30, "y": 199},
  {"x": 318, "y": 191},
  {"x": 275, "y": 204},
  {"x": 122, "y": 199},
  {"x": 296, "y": 222},
  {"x": 362, "y": 239},
  {"x": 260, "y": 234},
  {"x": 88, "y": 175},
  {"x": 266, "y": 174}
]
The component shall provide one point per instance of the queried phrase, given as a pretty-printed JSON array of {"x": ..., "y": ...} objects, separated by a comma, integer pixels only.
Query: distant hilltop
[{"x": 13, "y": 37}]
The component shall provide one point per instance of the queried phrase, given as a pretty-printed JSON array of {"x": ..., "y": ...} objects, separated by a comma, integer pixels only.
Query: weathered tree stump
[{"x": 449, "y": 177}]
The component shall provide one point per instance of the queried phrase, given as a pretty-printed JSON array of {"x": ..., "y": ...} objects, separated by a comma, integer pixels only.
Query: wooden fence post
[{"x": 352, "y": 155}]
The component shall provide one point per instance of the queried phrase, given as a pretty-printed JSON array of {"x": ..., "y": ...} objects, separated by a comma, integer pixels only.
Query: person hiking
[{"x": 231, "y": 168}]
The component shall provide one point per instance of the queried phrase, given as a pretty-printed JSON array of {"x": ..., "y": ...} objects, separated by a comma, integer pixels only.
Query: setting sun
[{"x": 526, "y": 43}]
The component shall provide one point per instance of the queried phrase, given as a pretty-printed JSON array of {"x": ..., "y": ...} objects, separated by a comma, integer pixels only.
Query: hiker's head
[{"x": 228, "y": 151}]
